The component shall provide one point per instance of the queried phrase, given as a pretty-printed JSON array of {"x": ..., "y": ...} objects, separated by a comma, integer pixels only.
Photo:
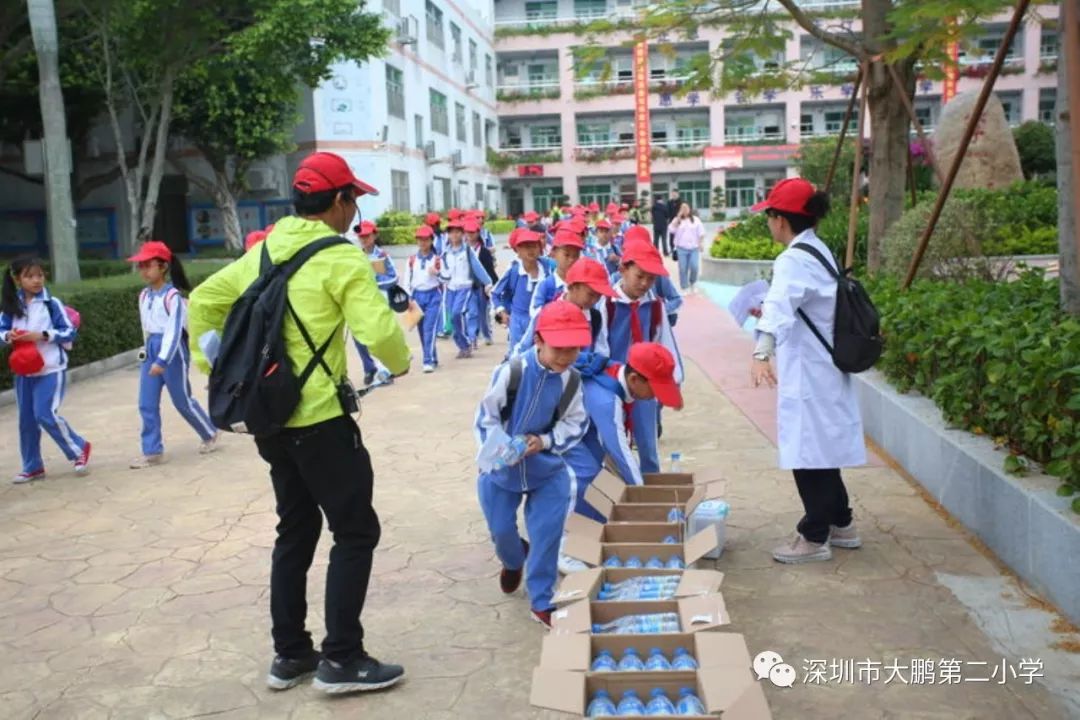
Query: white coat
[{"x": 818, "y": 421}]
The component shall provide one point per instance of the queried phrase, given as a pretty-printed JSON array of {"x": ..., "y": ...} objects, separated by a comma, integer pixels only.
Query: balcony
[
  {"x": 591, "y": 88},
  {"x": 547, "y": 88},
  {"x": 755, "y": 137},
  {"x": 598, "y": 152},
  {"x": 503, "y": 157}
]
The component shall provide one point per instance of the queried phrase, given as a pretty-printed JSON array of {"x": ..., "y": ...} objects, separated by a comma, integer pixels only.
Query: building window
[
  {"x": 599, "y": 194},
  {"x": 545, "y": 198},
  {"x": 459, "y": 119},
  {"x": 692, "y": 136},
  {"x": 546, "y": 136},
  {"x": 472, "y": 55},
  {"x": 477, "y": 133},
  {"x": 594, "y": 133},
  {"x": 925, "y": 115},
  {"x": 434, "y": 25},
  {"x": 395, "y": 92},
  {"x": 740, "y": 192},
  {"x": 489, "y": 73},
  {"x": 1011, "y": 104},
  {"x": 1048, "y": 105},
  {"x": 541, "y": 9},
  {"x": 440, "y": 120},
  {"x": 393, "y": 7},
  {"x": 455, "y": 43},
  {"x": 418, "y": 127},
  {"x": 590, "y": 9},
  {"x": 444, "y": 186},
  {"x": 1048, "y": 44},
  {"x": 479, "y": 193},
  {"x": 695, "y": 192},
  {"x": 835, "y": 119},
  {"x": 806, "y": 125},
  {"x": 542, "y": 75},
  {"x": 399, "y": 190}
]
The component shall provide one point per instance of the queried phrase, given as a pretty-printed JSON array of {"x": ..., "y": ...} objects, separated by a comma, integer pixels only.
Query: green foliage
[
  {"x": 955, "y": 250},
  {"x": 397, "y": 235},
  {"x": 515, "y": 96},
  {"x": 753, "y": 230},
  {"x": 499, "y": 161},
  {"x": 109, "y": 307},
  {"x": 813, "y": 161},
  {"x": 400, "y": 227},
  {"x": 397, "y": 218},
  {"x": 1035, "y": 142},
  {"x": 752, "y": 249},
  {"x": 999, "y": 359}
]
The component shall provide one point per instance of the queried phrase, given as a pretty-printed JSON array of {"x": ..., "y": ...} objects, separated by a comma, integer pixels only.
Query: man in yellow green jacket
[{"x": 318, "y": 462}]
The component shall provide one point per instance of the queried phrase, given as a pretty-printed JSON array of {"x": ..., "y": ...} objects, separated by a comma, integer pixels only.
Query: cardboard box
[
  {"x": 585, "y": 544},
  {"x": 626, "y": 532},
  {"x": 697, "y": 613},
  {"x": 608, "y": 493},
  {"x": 724, "y": 682},
  {"x": 698, "y": 477},
  {"x": 587, "y": 583}
]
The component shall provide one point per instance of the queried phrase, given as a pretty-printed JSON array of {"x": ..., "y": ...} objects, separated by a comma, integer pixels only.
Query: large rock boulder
[{"x": 992, "y": 160}]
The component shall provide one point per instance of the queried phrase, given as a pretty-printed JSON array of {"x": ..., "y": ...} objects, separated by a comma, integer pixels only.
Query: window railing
[
  {"x": 583, "y": 17},
  {"x": 527, "y": 85},
  {"x": 754, "y": 136},
  {"x": 1046, "y": 55},
  {"x": 533, "y": 148}
]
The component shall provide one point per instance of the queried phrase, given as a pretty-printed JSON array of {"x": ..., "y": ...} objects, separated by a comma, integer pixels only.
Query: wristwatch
[
  {"x": 45, "y": 335},
  {"x": 763, "y": 356}
]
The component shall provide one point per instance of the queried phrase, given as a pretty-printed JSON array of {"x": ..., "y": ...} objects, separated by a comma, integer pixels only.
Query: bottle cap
[
  {"x": 686, "y": 691},
  {"x": 656, "y": 651},
  {"x": 602, "y": 693},
  {"x": 658, "y": 692}
]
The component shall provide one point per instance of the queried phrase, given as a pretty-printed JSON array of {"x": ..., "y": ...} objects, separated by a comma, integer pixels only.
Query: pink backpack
[{"x": 76, "y": 322}]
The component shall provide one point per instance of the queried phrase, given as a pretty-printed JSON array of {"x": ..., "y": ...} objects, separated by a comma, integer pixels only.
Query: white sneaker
[
  {"x": 845, "y": 537},
  {"x": 210, "y": 445},
  {"x": 569, "y": 565},
  {"x": 145, "y": 461},
  {"x": 800, "y": 550},
  {"x": 429, "y": 368}
]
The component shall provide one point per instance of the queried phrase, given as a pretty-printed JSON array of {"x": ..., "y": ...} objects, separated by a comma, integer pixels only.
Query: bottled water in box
[{"x": 710, "y": 513}]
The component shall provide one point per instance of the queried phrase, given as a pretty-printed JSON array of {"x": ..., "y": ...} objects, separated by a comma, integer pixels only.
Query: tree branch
[
  {"x": 806, "y": 22},
  {"x": 94, "y": 182}
]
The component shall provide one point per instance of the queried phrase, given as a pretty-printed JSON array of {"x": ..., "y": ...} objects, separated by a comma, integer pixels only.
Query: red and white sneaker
[
  {"x": 25, "y": 477},
  {"x": 83, "y": 460},
  {"x": 542, "y": 616}
]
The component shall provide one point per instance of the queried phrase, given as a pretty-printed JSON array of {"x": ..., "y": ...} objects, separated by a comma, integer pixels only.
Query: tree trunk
[
  {"x": 1066, "y": 183},
  {"x": 889, "y": 135},
  {"x": 63, "y": 246},
  {"x": 225, "y": 199},
  {"x": 157, "y": 163}
]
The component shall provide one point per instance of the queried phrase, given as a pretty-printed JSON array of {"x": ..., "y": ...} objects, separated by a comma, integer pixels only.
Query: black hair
[
  {"x": 9, "y": 293},
  {"x": 316, "y": 203},
  {"x": 179, "y": 277},
  {"x": 817, "y": 207}
]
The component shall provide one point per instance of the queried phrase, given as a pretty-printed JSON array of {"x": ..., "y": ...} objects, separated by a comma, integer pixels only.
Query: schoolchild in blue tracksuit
[
  {"x": 475, "y": 241},
  {"x": 547, "y": 410},
  {"x": 423, "y": 285},
  {"x": 566, "y": 250},
  {"x": 166, "y": 357},
  {"x": 462, "y": 274},
  {"x": 512, "y": 296},
  {"x": 434, "y": 221},
  {"x": 638, "y": 314},
  {"x": 38, "y": 326},
  {"x": 604, "y": 250},
  {"x": 369, "y": 239}
]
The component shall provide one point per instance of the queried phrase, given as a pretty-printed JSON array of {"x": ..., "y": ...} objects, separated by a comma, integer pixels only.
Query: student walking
[
  {"x": 513, "y": 293},
  {"x": 463, "y": 274},
  {"x": 166, "y": 357},
  {"x": 546, "y": 409},
  {"x": 37, "y": 324},
  {"x": 819, "y": 426},
  {"x": 385, "y": 277},
  {"x": 687, "y": 240},
  {"x": 475, "y": 240},
  {"x": 567, "y": 249},
  {"x": 423, "y": 285}
]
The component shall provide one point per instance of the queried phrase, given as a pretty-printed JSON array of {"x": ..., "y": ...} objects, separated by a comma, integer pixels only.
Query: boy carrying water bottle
[{"x": 536, "y": 398}]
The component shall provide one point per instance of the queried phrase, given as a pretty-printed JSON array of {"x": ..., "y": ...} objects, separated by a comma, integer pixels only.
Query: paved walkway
[{"x": 144, "y": 594}]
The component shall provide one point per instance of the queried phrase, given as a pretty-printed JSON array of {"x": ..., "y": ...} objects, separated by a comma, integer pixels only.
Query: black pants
[
  {"x": 327, "y": 467},
  {"x": 661, "y": 239},
  {"x": 825, "y": 502}
]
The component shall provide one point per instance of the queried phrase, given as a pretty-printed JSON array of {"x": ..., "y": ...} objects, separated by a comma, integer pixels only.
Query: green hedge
[
  {"x": 750, "y": 238},
  {"x": 110, "y": 316},
  {"x": 999, "y": 359}
]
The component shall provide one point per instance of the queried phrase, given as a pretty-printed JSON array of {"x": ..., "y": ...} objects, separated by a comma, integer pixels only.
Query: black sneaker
[
  {"x": 369, "y": 378},
  {"x": 289, "y": 672},
  {"x": 359, "y": 675}
]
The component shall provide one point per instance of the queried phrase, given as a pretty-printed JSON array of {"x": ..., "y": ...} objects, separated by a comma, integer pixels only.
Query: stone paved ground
[{"x": 144, "y": 594}]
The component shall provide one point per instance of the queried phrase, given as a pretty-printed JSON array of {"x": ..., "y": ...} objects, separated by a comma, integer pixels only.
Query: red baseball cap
[
  {"x": 323, "y": 171},
  {"x": 524, "y": 235},
  {"x": 789, "y": 195},
  {"x": 153, "y": 250},
  {"x": 433, "y": 218},
  {"x": 603, "y": 225},
  {"x": 454, "y": 224},
  {"x": 655, "y": 363},
  {"x": 366, "y": 227},
  {"x": 592, "y": 274},
  {"x": 568, "y": 238},
  {"x": 26, "y": 359},
  {"x": 453, "y": 214},
  {"x": 253, "y": 238},
  {"x": 531, "y": 216},
  {"x": 562, "y": 324},
  {"x": 470, "y": 226},
  {"x": 644, "y": 255},
  {"x": 594, "y": 207},
  {"x": 637, "y": 233},
  {"x": 425, "y": 231},
  {"x": 578, "y": 226},
  {"x": 611, "y": 208}
]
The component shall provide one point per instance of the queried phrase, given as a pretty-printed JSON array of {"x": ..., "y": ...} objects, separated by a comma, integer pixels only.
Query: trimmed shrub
[{"x": 955, "y": 250}]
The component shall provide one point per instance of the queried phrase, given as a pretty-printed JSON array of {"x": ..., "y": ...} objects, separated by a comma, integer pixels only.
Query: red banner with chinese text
[
  {"x": 642, "y": 132},
  {"x": 952, "y": 69}
]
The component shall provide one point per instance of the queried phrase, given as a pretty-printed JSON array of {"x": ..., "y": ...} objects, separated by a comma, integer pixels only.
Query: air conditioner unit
[
  {"x": 408, "y": 31},
  {"x": 429, "y": 150},
  {"x": 260, "y": 178},
  {"x": 455, "y": 159},
  {"x": 470, "y": 80}
]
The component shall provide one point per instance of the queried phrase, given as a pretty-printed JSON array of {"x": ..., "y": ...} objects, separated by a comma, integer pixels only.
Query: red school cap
[
  {"x": 153, "y": 250},
  {"x": 637, "y": 233},
  {"x": 432, "y": 218},
  {"x": 603, "y": 225},
  {"x": 789, "y": 195},
  {"x": 323, "y": 171},
  {"x": 524, "y": 235},
  {"x": 655, "y": 363},
  {"x": 471, "y": 226},
  {"x": 568, "y": 238},
  {"x": 425, "y": 231},
  {"x": 644, "y": 255},
  {"x": 592, "y": 274},
  {"x": 530, "y": 217},
  {"x": 366, "y": 227},
  {"x": 562, "y": 324}
]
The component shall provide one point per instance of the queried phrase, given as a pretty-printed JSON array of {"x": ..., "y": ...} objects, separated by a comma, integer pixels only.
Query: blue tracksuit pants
[
  {"x": 545, "y": 515},
  {"x": 176, "y": 380},
  {"x": 462, "y": 308},
  {"x": 519, "y": 323},
  {"x": 583, "y": 467},
  {"x": 39, "y": 399},
  {"x": 483, "y": 316},
  {"x": 430, "y": 301},
  {"x": 370, "y": 368},
  {"x": 645, "y": 418}
]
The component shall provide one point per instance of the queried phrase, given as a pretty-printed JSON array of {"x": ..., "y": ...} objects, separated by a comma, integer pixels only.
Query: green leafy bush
[
  {"x": 999, "y": 359},
  {"x": 396, "y": 218},
  {"x": 1035, "y": 143},
  {"x": 406, "y": 235},
  {"x": 1024, "y": 241},
  {"x": 754, "y": 229},
  {"x": 109, "y": 308},
  {"x": 955, "y": 250},
  {"x": 753, "y": 249}
]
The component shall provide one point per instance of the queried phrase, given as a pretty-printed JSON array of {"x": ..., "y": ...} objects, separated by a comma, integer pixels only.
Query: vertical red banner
[
  {"x": 642, "y": 132},
  {"x": 952, "y": 68}
]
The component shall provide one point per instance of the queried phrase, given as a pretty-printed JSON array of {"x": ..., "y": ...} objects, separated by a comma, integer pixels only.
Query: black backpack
[
  {"x": 517, "y": 367},
  {"x": 253, "y": 388},
  {"x": 857, "y": 343}
]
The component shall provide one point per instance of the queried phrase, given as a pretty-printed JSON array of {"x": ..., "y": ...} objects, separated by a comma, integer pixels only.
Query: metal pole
[
  {"x": 843, "y": 129},
  {"x": 914, "y": 118},
  {"x": 969, "y": 132},
  {"x": 856, "y": 186}
]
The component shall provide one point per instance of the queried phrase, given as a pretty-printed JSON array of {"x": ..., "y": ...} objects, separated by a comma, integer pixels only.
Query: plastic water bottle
[
  {"x": 643, "y": 588},
  {"x": 657, "y": 661},
  {"x": 383, "y": 376},
  {"x": 653, "y": 593},
  {"x": 675, "y": 562},
  {"x": 631, "y": 661},
  {"x": 683, "y": 660},
  {"x": 689, "y": 704},
  {"x": 604, "y": 662},
  {"x": 613, "y": 562},
  {"x": 631, "y": 704},
  {"x": 659, "y": 705},
  {"x": 654, "y": 563},
  {"x": 511, "y": 453},
  {"x": 676, "y": 515},
  {"x": 671, "y": 540},
  {"x": 632, "y": 562},
  {"x": 676, "y": 462},
  {"x": 640, "y": 624},
  {"x": 602, "y": 705}
]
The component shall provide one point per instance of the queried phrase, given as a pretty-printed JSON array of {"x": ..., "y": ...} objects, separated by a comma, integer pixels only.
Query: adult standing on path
[
  {"x": 687, "y": 240},
  {"x": 660, "y": 217},
  {"x": 318, "y": 462},
  {"x": 819, "y": 426}
]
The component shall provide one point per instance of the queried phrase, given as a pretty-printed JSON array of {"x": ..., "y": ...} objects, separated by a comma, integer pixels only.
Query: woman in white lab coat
[{"x": 818, "y": 421}]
